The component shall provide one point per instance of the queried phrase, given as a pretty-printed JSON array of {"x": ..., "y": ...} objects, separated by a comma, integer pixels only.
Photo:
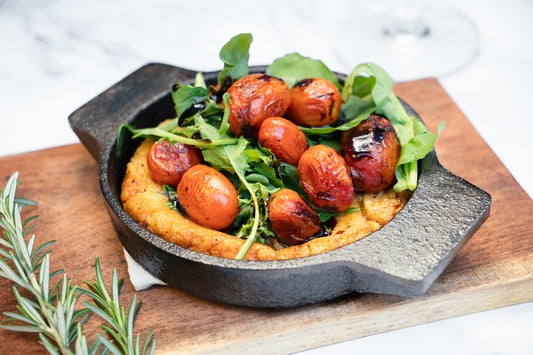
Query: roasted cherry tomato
[
  {"x": 371, "y": 151},
  {"x": 314, "y": 102},
  {"x": 208, "y": 197},
  {"x": 168, "y": 162},
  {"x": 255, "y": 98},
  {"x": 284, "y": 139},
  {"x": 325, "y": 178},
  {"x": 292, "y": 219}
]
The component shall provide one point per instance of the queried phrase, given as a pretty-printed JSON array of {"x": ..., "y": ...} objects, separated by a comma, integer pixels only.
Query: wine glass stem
[{"x": 406, "y": 21}]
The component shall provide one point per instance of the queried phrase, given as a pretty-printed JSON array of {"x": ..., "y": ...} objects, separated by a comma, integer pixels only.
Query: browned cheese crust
[{"x": 143, "y": 201}]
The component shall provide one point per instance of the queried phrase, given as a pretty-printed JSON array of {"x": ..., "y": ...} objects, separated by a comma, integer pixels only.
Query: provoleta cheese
[{"x": 143, "y": 201}]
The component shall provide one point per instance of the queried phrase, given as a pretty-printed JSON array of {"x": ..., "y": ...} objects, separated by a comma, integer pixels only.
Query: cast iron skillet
[{"x": 403, "y": 258}]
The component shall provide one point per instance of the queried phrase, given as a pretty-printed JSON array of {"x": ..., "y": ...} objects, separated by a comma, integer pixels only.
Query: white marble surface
[{"x": 57, "y": 54}]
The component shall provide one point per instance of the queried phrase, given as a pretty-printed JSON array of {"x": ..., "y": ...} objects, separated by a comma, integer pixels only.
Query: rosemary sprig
[
  {"x": 50, "y": 308},
  {"x": 119, "y": 326}
]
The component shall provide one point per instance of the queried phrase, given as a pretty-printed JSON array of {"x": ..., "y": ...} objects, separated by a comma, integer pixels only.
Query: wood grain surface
[{"x": 494, "y": 269}]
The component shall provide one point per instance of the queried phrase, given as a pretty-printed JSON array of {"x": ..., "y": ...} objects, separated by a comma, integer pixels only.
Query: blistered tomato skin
[
  {"x": 292, "y": 219},
  {"x": 325, "y": 178},
  {"x": 253, "y": 99},
  {"x": 371, "y": 150},
  {"x": 168, "y": 162},
  {"x": 314, "y": 103},
  {"x": 284, "y": 139},
  {"x": 208, "y": 197}
]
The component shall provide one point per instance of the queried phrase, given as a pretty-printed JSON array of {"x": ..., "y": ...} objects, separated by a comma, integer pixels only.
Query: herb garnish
[{"x": 51, "y": 310}]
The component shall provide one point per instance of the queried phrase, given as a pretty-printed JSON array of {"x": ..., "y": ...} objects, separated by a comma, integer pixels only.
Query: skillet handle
[{"x": 96, "y": 123}]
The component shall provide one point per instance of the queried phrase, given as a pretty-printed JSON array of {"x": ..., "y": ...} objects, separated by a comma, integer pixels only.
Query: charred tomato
[
  {"x": 253, "y": 99},
  {"x": 314, "y": 102},
  {"x": 284, "y": 139},
  {"x": 208, "y": 197},
  {"x": 325, "y": 178},
  {"x": 371, "y": 151},
  {"x": 292, "y": 218},
  {"x": 168, "y": 162}
]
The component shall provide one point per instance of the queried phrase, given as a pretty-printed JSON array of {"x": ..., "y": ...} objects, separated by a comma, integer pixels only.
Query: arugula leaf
[
  {"x": 291, "y": 178},
  {"x": 294, "y": 67},
  {"x": 331, "y": 140},
  {"x": 419, "y": 145},
  {"x": 326, "y": 215},
  {"x": 238, "y": 166},
  {"x": 157, "y": 133},
  {"x": 199, "y": 80},
  {"x": 185, "y": 96},
  {"x": 172, "y": 198},
  {"x": 269, "y": 175},
  {"x": 230, "y": 158},
  {"x": 343, "y": 127},
  {"x": 245, "y": 219},
  {"x": 264, "y": 163},
  {"x": 235, "y": 55},
  {"x": 354, "y": 107},
  {"x": 362, "y": 87},
  {"x": 224, "y": 126}
]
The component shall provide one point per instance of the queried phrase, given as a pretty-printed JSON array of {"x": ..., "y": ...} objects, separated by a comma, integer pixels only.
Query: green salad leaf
[
  {"x": 235, "y": 55},
  {"x": 294, "y": 67},
  {"x": 350, "y": 123},
  {"x": 185, "y": 96}
]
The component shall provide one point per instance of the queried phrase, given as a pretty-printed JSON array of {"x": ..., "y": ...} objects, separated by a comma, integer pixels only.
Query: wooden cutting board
[{"x": 494, "y": 269}]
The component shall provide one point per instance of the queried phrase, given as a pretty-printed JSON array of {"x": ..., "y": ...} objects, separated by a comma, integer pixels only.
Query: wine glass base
[{"x": 441, "y": 42}]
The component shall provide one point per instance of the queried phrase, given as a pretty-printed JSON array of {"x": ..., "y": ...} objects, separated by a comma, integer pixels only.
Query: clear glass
[{"x": 409, "y": 40}]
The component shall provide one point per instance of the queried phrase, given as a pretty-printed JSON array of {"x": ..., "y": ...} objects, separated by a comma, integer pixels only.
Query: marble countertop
[{"x": 58, "y": 54}]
